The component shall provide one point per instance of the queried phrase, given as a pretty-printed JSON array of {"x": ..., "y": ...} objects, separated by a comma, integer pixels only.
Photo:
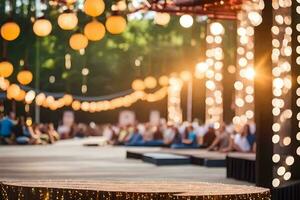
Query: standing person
[{"x": 6, "y": 125}]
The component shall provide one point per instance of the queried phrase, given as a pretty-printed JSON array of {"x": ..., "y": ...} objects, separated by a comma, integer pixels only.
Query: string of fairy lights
[
  {"x": 211, "y": 69},
  {"x": 282, "y": 85},
  {"x": 244, "y": 84},
  {"x": 214, "y": 75},
  {"x": 297, "y": 11}
]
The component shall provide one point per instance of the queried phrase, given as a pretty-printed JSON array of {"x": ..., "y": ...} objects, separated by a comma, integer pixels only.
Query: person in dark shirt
[
  {"x": 21, "y": 132},
  {"x": 209, "y": 137}
]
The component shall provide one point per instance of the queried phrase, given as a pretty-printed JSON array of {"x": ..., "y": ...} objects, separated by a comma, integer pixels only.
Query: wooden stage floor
[{"x": 70, "y": 160}]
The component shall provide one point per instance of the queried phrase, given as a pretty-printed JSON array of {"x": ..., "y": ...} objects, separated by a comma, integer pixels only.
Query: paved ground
[{"x": 70, "y": 160}]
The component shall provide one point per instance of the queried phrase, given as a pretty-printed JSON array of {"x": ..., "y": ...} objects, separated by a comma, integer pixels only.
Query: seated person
[
  {"x": 157, "y": 139},
  {"x": 221, "y": 141},
  {"x": 6, "y": 126},
  {"x": 136, "y": 139},
  {"x": 123, "y": 136},
  {"x": 53, "y": 132},
  {"x": 189, "y": 139},
  {"x": 20, "y": 133},
  {"x": 208, "y": 137},
  {"x": 239, "y": 142}
]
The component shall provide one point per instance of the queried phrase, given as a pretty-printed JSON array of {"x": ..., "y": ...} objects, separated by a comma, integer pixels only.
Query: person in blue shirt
[
  {"x": 6, "y": 125},
  {"x": 189, "y": 139},
  {"x": 136, "y": 139}
]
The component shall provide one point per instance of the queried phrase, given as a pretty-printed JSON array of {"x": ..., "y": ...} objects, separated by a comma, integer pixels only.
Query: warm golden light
[
  {"x": 138, "y": 85},
  {"x": 25, "y": 77},
  {"x": 42, "y": 27},
  {"x": 6, "y": 69},
  {"x": 115, "y": 24},
  {"x": 150, "y": 82},
  {"x": 94, "y": 8},
  {"x": 10, "y": 31},
  {"x": 162, "y": 18},
  {"x": 78, "y": 41},
  {"x": 94, "y": 30},
  {"x": 68, "y": 99},
  {"x": 67, "y": 20},
  {"x": 13, "y": 90}
]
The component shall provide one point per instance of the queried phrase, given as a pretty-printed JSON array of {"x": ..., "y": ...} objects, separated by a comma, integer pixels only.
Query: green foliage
[{"x": 111, "y": 61}]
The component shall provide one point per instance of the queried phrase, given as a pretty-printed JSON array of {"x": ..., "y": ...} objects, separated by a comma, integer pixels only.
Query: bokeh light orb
[
  {"x": 162, "y": 18},
  {"x": 216, "y": 28},
  {"x": 4, "y": 84},
  {"x": 163, "y": 80},
  {"x": 10, "y": 31},
  {"x": 76, "y": 105},
  {"x": 42, "y": 27},
  {"x": 94, "y": 30},
  {"x": 78, "y": 41},
  {"x": 25, "y": 77},
  {"x": 94, "y": 8},
  {"x": 30, "y": 95},
  {"x": 115, "y": 24},
  {"x": 255, "y": 18},
  {"x": 6, "y": 69},
  {"x": 13, "y": 90},
  {"x": 21, "y": 96},
  {"x": 138, "y": 85},
  {"x": 150, "y": 82},
  {"x": 67, "y": 20},
  {"x": 68, "y": 99},
  {"x": 40, "y": 98},
  {"x": 186, "y": 21}
]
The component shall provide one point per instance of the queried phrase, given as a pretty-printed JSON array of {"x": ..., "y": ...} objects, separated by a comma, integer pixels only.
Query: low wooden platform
[
  {"x": 241, "y": 166},
  {"x": 202, "y": 157},
  {"x": 165, "y": 159},
  {"x": 197, "y": 156},
  {"x": 71, "y": 190}
]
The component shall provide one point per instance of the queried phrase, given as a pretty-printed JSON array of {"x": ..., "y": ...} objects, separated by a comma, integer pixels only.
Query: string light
[
  {"x": 214, "y": 62},
  {"x": 282, "y": 96},
  {"x": 174, "y": 100},
  {"x": 244, "y": 84}
]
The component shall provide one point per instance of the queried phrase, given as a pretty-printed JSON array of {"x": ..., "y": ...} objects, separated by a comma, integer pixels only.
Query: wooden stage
[
  {"x": 157, "y": 190},
  {"x": 75, "y": 169}
]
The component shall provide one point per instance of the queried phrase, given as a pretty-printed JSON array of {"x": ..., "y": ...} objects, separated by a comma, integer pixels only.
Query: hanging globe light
[
  {"x": 150, "y": 82},
  {"x": 162, "y": 18},
  {"x": 10, "y": 31},
  {"x": 78, "y": 41},
  {"x": 29, "y": 97},
  {"x": 163, "y": 80},
  {"x": 42, "y": 27},
  {"x": 25, "y": 77},
  {"x": 67, "y": 20},
  {"x": 6, "y": 69},
  {"x": 4, "y": 84},
  {"x": 68, "y": 99},
  {"x": 94, "y": 8},
  {"x": 76, "y": 105},
  {"x": 186, "y": 21},
  {"x": 94, "y": 30},
  {"x": 138, "y": 85},
  {"x": 21, "y": 96},
  {"x": 115, "y": 24},
  {"x": 13, "y": 91},
  {"x": 40, "y": 98},
  {"x": 216, "y": 28}
]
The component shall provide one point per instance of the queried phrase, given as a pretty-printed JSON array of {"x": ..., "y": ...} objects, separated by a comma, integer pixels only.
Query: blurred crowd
[
  {"x": 226, "y": 138},
  {"x": 17, "y": 131},
  {"x": 185, "y": 135}
]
